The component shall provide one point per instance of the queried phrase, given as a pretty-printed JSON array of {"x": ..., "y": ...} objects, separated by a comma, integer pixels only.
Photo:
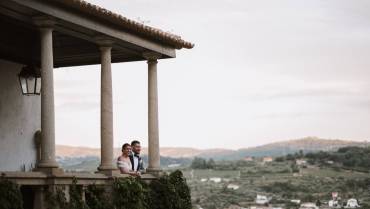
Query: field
[{"x": 214, "y": 188}]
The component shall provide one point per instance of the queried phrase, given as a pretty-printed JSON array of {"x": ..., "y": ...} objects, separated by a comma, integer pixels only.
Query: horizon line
[{"x": 215, "y": 148}]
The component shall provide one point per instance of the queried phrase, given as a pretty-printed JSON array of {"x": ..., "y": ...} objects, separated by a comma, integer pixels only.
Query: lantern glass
[
  {"x": 38, "y": 86},
  {"x": 30, "y": 80},
  {"x": 23, "y": 82}
]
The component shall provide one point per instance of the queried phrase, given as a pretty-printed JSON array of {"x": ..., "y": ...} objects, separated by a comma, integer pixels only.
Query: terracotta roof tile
[{"x": 127, "y": 24}]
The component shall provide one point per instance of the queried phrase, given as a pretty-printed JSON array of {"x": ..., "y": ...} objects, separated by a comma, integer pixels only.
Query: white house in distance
[
  {"x": 296, "y": 201},
  {"x": 39, "y": 36},
  {"x": 267, "y": 159},
  {"x": 233, "y": 186},
  {"x": 334, "y": 204},
  {"x": 248, "y": 158},
  {"x": 264, "y": 207},
  {"x": 308, "y": 205},
  {"x": 216, "y": 179},
  {"x": 301, "y": 162},
  {"x": 262, "y": 199},
  {"x": 352, "y": 203}
]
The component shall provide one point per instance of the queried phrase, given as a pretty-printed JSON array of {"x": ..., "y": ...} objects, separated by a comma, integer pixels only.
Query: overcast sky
[{"x": 261, "y": 71}]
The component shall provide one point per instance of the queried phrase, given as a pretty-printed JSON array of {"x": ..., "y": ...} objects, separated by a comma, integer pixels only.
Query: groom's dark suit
[{"x": 140, "y": 164}]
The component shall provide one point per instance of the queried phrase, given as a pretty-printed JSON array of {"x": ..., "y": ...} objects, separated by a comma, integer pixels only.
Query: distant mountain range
[{"x": 307, "y": 144}]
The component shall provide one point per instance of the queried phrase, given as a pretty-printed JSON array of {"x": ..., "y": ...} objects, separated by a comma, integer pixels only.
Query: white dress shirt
[{"x": 136, "y": 162}]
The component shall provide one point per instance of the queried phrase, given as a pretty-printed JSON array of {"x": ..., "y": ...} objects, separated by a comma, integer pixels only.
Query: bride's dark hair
[{"x": 125, "y": 145}]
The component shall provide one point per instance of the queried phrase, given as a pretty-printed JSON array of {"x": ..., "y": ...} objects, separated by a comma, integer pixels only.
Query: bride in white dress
[{"x": 124, "y": 163}]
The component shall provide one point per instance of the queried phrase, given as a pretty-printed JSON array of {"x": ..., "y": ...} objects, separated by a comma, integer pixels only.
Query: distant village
[{"x": 262, "y": 200}]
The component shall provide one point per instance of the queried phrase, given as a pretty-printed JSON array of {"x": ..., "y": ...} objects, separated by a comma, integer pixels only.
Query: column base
[
  {"x": 108, "y": 170},
  {"x": 106, "y": 167},
  {"x": 154, "y": 171},
  {"x": 52, "y": 164}
]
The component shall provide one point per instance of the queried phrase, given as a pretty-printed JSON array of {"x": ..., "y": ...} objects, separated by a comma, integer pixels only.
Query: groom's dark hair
[{"x": 133, "y": 143}]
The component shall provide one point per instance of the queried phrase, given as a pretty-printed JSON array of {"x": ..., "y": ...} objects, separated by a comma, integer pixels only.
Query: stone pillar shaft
[
  {"x": 106, "y": 117},
  {"x": 47, "y": 100},
  {"x": 153, "y": 135}
]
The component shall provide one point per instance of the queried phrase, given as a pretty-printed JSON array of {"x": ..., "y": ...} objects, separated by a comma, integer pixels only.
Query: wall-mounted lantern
[{"x": 30, "y": 80}]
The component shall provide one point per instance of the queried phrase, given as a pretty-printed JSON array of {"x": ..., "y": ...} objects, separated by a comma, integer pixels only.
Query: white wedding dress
[{"x": 127, "y": 166}]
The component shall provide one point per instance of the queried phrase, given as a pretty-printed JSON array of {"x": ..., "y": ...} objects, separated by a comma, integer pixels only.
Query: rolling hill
[{"x": 307, "y": 144}]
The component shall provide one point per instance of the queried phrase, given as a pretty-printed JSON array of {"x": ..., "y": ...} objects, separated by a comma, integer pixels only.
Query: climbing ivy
[
  {"x": 162, "y": 194},
  {"x": 75, "y": 194},
  {"x": 182, "y": 190},
  {"x": 170, "y": 191},
  {"x": 55, "y": 197},
  {"x": 129, "y": 193},
  {"x": 10, "y": 195},
  {"x": 97, "y": 197}
]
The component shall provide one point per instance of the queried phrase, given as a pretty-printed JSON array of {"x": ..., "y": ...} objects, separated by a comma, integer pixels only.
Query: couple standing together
[{"x": 130, "y": 161}]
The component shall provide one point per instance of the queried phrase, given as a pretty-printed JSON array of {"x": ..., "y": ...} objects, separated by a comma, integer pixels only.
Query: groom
[{"x": 136, "y": 161}]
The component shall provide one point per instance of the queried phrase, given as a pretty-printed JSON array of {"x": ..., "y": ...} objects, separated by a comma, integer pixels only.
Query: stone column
[
  {"x": 39, "y": 201},
  {"x": 153, "y": 131},
  {"x": 47, "y": 94},
  {"x": 106, "y": 111}
]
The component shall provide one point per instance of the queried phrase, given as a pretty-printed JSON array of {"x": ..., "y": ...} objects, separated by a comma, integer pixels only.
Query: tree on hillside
[
  {"x": 280, "y": 159},
  {"x": 350, "y": 157},
  {"x": 201, "y": 163},
  {"x": 211, "y": 163}
]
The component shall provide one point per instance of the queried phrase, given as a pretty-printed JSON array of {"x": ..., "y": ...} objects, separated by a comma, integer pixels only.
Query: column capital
[
  {"x": 151, "y": 56},
  {"x": 44, "y": 21},
  {"x": 103, "y": 42},
  {"x": 105, "y": 50}
]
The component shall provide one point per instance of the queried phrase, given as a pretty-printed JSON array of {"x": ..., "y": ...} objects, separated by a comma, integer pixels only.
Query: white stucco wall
[{"x": 19, "y": 120}]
